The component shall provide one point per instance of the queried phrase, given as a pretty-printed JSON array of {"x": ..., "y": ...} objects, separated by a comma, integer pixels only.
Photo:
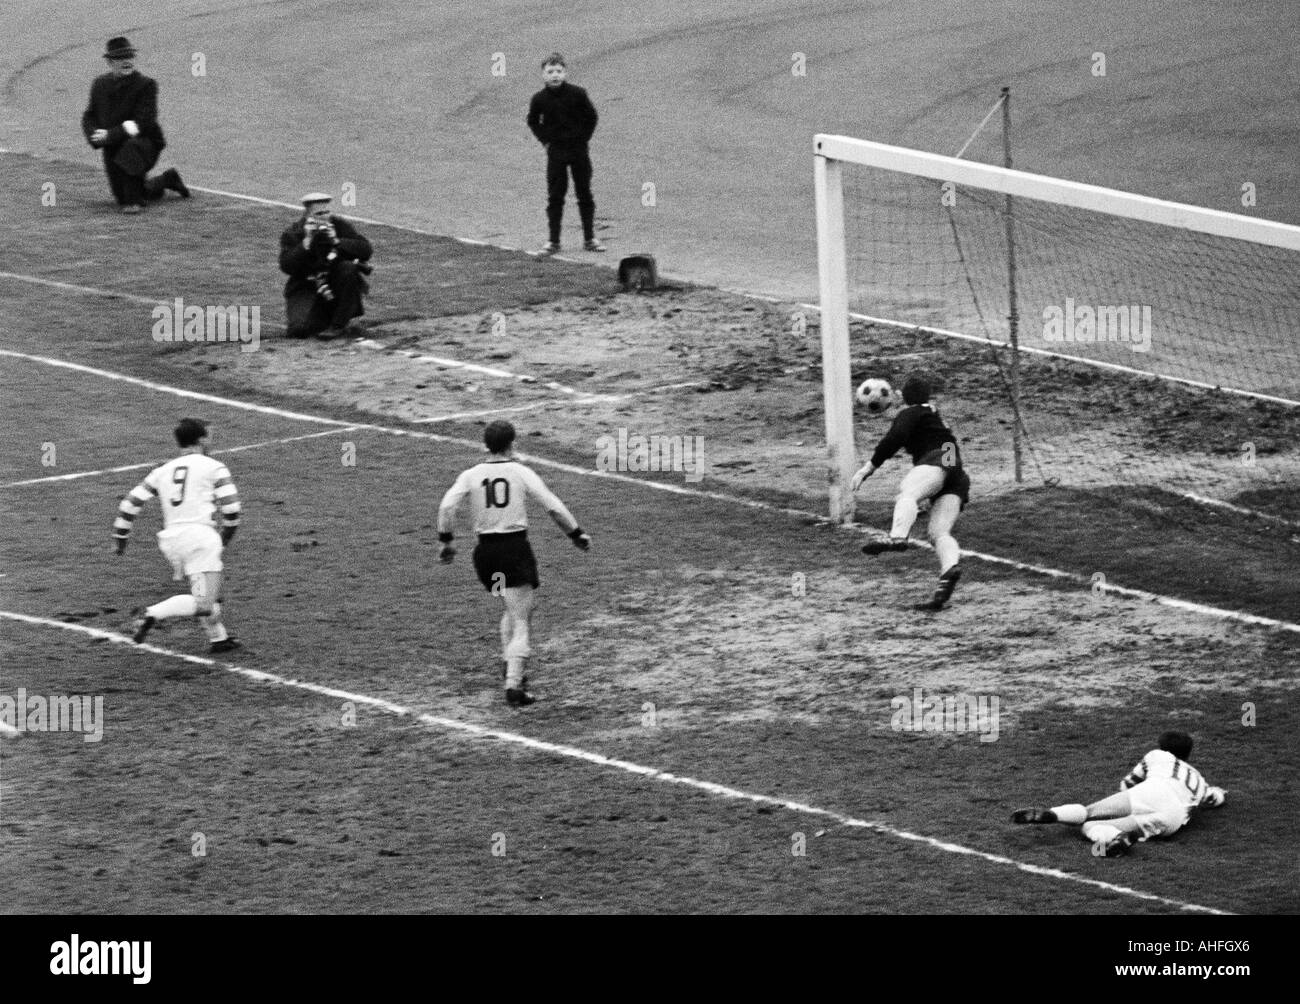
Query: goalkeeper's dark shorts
[
  {"x": 505, "y": 560},
  {"x": 955, "y": 482}
]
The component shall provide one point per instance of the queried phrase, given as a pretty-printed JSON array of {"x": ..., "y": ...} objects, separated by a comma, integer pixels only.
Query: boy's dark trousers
[{"x": 560, "y": 159}]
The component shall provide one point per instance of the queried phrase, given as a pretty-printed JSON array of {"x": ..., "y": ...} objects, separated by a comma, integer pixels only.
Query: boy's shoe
[
  {"x": 591, "y": 244},
  {"x": 132, "y": 210},
  {"x": 141, "y": 627},
  {"x": 886, "y": 544},
  {"x": 1033, "y": 816},
  {"x": 1114, "y": 847},
  {"x": 548, "y": 249},
  {"x": 519, "y": 698},
  {"x": 225, "y": 645}
]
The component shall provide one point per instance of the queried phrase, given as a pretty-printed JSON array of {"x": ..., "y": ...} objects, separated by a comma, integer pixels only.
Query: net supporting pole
[
  {"x": 837, "y": 376},
  {"x": 1013, "y": 315}
]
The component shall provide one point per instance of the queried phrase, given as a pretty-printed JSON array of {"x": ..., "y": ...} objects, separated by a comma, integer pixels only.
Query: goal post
[
  {"x": 832, "y": 268},
  {"x": 1226, "y": 287}
]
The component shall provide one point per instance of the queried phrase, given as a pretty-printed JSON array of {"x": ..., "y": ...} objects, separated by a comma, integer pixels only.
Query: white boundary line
[
  {"x": 1054, "y": 573},
  {"x": 627, "y": 766},
  {"x": 136, "y": 467}
]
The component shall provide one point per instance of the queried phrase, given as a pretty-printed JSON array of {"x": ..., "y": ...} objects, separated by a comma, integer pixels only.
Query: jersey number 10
[{"x": 492, "y": 498}]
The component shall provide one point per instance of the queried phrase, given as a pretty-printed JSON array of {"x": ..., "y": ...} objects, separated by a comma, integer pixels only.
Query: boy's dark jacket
[{"x": 563, "y": 115}]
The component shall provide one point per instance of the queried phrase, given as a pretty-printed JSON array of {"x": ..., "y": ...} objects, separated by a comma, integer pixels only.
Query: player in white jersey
[
  {"x": 1154, "y": 800},
  {"x": 190, "y": 490},
  {"x": 498, "y": 489}
]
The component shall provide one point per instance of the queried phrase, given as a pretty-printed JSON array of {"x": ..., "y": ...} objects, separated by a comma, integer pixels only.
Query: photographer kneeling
[{"x": 325, "y": 258}]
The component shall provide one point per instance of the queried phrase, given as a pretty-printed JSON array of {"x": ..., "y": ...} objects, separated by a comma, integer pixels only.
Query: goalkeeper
[
  {"x": 936, "y": 475},
  {"x": 1155, "y": 799}
]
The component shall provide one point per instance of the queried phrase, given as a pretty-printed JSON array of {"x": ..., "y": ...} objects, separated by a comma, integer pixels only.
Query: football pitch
[
  {"x": 730, "y": 695},
  {"x": 707, "y": 737}
]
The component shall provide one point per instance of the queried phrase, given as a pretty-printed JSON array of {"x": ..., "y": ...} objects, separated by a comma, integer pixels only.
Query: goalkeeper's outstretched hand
[
  {"x": 581, "y": 539},
  {"x": 861, "y": 476}
]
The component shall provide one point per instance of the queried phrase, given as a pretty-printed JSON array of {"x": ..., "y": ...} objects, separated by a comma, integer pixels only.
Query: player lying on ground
[
  {"x": 503, "y": 558},
  {"x": 1154, "y": 800},
  {"x": 937, "y": 476},
  {"x": 190, "y": 489}
]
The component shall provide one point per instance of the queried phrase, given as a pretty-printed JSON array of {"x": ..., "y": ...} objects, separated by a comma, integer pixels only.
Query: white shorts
[
  {"x": 191, "y": 548},
  {"x": 1157, "y": 808}
]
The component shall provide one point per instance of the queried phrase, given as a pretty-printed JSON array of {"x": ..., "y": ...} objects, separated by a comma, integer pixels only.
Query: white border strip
[
  {"x": 137, "y": 467},
  {"x": 1054, "y": 573},
  {"x": 627, "y": 766},
  {"x": 1022, "y": 184}
]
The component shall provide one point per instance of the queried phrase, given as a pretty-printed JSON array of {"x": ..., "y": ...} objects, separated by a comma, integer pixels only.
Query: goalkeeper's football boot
[
  {"x": 142, "y": 627},
  {"x": 943, "y": 591},
  {"x": 519, "y": 698},
  {"x": 1114, "y": 847},
  {"x": 1033, "y": 816},
  {"x": 885, "y": 544},
  {"x": 225, "y": 645}
]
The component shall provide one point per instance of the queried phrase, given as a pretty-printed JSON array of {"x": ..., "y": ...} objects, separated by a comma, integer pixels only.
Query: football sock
[
  {"x": 1073, "y": 813},
  {"x": 183, "y": 605},
  {"x": 948, "y": 551},
  {"x": 515, "y": 673},
  {"x": 507, "y": 630},
  {"x": 213, "y": 626},
  {"x": 904, "y": 516},
  {"x": 1099, "y": 831}
]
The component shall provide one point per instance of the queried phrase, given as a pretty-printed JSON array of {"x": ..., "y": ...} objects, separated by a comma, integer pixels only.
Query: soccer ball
[{"x": 876, "y": 396}]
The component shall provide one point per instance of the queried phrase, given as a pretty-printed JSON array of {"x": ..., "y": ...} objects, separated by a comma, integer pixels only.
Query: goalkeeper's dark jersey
[{"x": 919, "y": 430}]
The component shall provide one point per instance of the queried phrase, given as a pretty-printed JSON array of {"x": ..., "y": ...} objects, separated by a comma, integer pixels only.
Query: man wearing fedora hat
[
  {"x": 121, "y": 119},
  {"x": 325, "y": 258}
]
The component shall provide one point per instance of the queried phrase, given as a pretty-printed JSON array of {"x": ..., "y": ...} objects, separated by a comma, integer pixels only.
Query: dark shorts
[
  {"x": 505, "y": 559},
  {"x": 956, "y": 481}
]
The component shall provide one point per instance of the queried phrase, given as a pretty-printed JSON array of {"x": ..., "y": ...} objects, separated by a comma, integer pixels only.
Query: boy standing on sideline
[{"x": 563, "y": 119}]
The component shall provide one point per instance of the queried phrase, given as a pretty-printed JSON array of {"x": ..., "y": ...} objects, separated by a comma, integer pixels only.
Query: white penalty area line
[
  {"x": 367, "y": 343},
  {"x": 1054, "y": 573},
  {"x": 215, "y": 453},
  {"x": 627, "y": 766}
]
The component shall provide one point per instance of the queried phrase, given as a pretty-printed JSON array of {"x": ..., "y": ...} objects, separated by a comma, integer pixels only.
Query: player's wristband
[
  {"x": 446, "y": 538},
  {"x": 575, "y": 533}
]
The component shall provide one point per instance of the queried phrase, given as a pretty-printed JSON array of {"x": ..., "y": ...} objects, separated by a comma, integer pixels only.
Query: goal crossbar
[{"x": 1007, "y": 181}]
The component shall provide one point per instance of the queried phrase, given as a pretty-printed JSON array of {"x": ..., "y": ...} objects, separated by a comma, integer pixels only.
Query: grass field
[{"x": 356, "y": 755}]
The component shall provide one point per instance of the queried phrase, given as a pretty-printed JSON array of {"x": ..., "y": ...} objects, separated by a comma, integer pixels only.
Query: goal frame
[{"x": 832, "y": 152}]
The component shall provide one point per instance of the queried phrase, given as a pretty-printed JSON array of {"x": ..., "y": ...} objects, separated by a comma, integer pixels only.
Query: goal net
[{"x": 1158, "y": 343}]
